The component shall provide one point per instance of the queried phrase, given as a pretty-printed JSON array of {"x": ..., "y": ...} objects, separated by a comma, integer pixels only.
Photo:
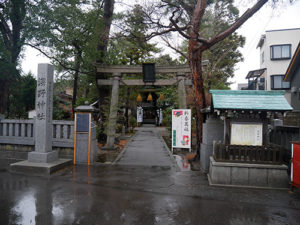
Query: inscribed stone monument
[{"x": 43, "y": 123}]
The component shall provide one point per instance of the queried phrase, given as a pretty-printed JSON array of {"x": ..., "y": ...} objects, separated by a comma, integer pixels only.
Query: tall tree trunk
[
  {"x": 195, "y": 60},
  {"x": 103, "y": 91},
  {"x": 78, "y": 60},
  {"x": 104, "y": 34},
  {"x": 4, "y": 93},
  {"x": 11, "y": 25},
  {"x": 198, "y": 45},
  {"x": 103, "y": 43}
]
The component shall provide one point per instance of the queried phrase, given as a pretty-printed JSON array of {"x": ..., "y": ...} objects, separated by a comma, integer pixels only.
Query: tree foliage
[
  {"x": 14, "y": 22},
  {"x": 22, "y": 96},
  {"x": 130, "y": 46}
]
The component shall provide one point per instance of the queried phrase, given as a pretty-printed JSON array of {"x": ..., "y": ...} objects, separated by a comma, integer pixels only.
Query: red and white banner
[{"x": 181, "y": 128}]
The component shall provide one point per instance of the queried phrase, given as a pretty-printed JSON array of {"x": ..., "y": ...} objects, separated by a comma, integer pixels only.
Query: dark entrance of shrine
[{"x": 149, "y": 98}]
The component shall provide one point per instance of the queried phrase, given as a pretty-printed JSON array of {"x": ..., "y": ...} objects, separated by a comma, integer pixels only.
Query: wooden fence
[
  {"x": 271, "y": 154},
  {"x": 284, "y": 135}
]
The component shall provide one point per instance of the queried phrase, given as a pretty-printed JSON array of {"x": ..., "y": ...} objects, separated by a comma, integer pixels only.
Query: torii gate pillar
[
  {"x": 181, "y": 91},
  {"x": 113, "y": 112}
]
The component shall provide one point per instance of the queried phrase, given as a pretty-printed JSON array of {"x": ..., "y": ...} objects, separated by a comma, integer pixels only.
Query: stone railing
[{"x": 21, "y": 132}]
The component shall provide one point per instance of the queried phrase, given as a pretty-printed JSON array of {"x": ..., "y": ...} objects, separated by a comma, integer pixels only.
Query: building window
[
  {"x": 280, "y": 52},
  {"x": 278, "y": 83}
]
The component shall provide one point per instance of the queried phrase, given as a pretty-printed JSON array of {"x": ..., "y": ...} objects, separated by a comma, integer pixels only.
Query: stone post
[
  {"x": 113, "y": 112},
  {"x": 212, "y": 131},
  {"x": 86, "y": 141},
  {"x": 181, "y": 91},
  {"x": 43, "y": 123}
]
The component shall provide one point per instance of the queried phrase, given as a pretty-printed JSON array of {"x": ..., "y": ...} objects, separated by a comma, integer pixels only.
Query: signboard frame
[
  {"x": 181, "y": 128},
  {"x": 240, "y": 129},
  {"x": 82, "y": 122}
]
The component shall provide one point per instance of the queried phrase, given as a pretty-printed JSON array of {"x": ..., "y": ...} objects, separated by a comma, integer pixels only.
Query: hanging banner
[
  {"x": 181, "y": 128},
  {"x": 139, "y": 114}
]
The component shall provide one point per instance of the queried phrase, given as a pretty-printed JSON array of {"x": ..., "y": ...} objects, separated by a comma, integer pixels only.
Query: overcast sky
[{"x": 284, "y": 17}]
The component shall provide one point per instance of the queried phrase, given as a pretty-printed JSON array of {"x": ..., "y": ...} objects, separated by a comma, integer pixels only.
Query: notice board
[
  {"x": 82, "y": 122},
  {"x": 246, "y": 134}
]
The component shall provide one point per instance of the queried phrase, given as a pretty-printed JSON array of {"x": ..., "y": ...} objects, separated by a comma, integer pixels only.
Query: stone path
[{"x": 147, "y": 148}]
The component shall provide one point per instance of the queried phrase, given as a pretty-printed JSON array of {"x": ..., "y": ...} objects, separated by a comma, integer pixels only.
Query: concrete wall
[{"x": 277, "y": 37}]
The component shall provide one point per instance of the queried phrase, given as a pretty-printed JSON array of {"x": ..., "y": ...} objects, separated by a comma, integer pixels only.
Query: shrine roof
[{"x": 250, "y": 100}]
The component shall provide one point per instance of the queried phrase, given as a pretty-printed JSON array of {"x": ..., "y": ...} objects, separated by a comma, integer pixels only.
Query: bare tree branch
[
  {"x": 57, "y": 60},
  {"x": 221, "y": 36},
  {"x": 175, "y": 49},
  {"x": 197, "y": 16}
]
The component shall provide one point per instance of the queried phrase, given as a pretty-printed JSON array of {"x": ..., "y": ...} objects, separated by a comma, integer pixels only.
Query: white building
[{"x": 276, "y": 50}]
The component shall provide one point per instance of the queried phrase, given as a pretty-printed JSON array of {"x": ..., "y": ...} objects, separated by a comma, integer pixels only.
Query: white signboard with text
[
  {"x": 139, "y": 114},
  {"x": 246, "y": 134},
  {"x": 181, "y": 128}
]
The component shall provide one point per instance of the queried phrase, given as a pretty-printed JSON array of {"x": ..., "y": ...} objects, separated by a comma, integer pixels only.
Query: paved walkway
[{"x": 147, "y": 148}]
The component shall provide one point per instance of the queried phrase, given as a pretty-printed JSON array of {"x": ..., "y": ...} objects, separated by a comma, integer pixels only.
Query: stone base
[
  {"x": 205, "y": 152},
  {"x": 109, "y": 148},
  {"x": 30, "y": 168},
  {"x": 248, "y": 175},
  {"x": 40, "y": 157}
]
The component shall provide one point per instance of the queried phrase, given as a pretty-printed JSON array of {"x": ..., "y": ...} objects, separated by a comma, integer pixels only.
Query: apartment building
[{"x": 276, "y": 50}]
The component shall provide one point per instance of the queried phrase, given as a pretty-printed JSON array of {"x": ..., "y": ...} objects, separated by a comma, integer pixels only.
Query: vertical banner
[
  {"x": 181, "y": 128},
  {"x": 139, "y": 114}
]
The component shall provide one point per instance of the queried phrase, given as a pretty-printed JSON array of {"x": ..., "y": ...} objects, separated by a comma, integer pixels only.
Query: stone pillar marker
[
  {"x": 43, "y": 123},
  {"x": 42, "y": 161},
  {"x": 181, "y": 91},
  {"x": 113, "y": 112}
]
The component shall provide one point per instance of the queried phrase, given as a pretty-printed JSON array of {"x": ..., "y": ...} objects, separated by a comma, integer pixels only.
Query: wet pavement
[
  {"x": 138, "y": 194},
  {"x": 147, "y": 148}
]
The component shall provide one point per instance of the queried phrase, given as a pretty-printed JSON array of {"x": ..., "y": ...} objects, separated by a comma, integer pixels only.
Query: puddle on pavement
[
  {"x": 183, "y": 163},
  {"x": 25, "y": 210}
]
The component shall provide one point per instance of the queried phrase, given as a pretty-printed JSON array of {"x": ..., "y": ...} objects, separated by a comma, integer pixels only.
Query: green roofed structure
[
  {"x": 250, "y": 100},
  {"x": 245, "y": 157}
]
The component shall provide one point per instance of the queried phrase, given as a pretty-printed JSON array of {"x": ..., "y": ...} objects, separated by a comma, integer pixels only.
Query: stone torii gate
[{"x": 181, "y": 81}]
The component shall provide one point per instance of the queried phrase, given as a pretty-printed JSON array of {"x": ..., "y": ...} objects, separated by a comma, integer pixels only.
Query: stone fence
[
  {"x": 17, "y": 140},
  {"x": 21, "y": 132}
]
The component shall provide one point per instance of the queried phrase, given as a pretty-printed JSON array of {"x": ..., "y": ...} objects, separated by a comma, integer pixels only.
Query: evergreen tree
[{"x": 14, "y": 22}]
